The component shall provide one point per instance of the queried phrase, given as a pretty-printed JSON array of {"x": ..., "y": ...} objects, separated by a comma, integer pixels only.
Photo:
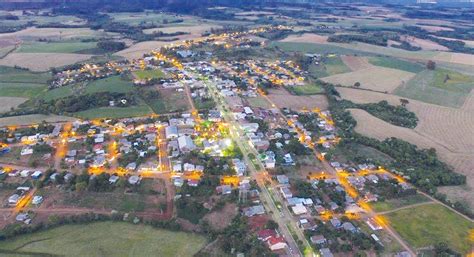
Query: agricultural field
[
  {"x": 139, "y": 49},
  {"x": 114, "y": 112},
  {"x": 9, "y": 103},
  {"x": 329, "y": 66},
  {"x": 306, "y": 38},
  {"x": 32, "y": 119},
  {"x": 107, "y": 238},
  {"x": 441, "y": 86},
  {"x": 373, "y": 78},
  {"x": 426, "y": 225},
  {"x": 150, "y": 18},
  {"x": 395, "y": 63},
  {"x": 401, "y": 202},
  {"x": 54, "y": 34},
  {"x": 286, "y": 100},
  {"x": 36, "y": 61},
  {"x": 56, "y": 47}
]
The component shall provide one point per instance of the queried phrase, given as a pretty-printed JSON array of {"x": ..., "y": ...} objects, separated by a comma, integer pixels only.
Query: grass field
[
  {"x": 13, "y": 75},
  {"x": 114, "y": 112},
  {"x": 32, "y": 119},
  {"x": 111, "y": 84},
  {"x": 430, "y": 87},
  {"x": 426, "y": 225},
  {"x": 307, "y": 89},
  {"x": 21, "y": 89},
  {"x": 395, "y": 203},
  {"x": 169, "y": 101},
  {"x": 149, "y": 74},
  {"x": 107, "y": 239},
  {"x": 57, "y": 93},
  {"x": 316, "y": 48},
  {"x": 42, "y": 61},
  {"x": 330, "y": 66},
  {"x": 55, "y": 47},
  {"x": 394, "y": 63}
]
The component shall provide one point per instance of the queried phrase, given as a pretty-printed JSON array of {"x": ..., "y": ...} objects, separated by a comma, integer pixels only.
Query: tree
[
  {"x": 357, "y": 84},
  {"x": 404, "y": 102},
  {"x": 271, "y": 224},
  {"x": 431, "y": 65}
]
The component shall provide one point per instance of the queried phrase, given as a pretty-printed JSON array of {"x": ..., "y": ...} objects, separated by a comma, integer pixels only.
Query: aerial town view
[{"x": 237, "y": 128}]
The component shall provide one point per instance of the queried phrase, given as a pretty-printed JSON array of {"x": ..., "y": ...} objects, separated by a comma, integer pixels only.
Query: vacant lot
[
  {"x": 373, "y": 78},
  {"x": 426, "y": 225},
  {"x": 107, "y": 239},
  {"x": 55, "y": 47},
  {"x": 283, "y": 99},
  {"x": 42, "y": 61},
  {"x": 114, "y": 112},
  {"x": 306, "y": 38},
  {"x": 442, "y": 87},
  {"x": 396, "y": 203},
  {"x": 149, "y": 74},
  {"x": 170, "y": 101}
]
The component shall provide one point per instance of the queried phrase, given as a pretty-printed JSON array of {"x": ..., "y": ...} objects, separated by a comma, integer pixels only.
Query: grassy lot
[
  {"x": 149, "y": 74},
  {"x": 13, "y": 75},
  {"x": 426, "y": 225},
  {"x": 55, "y": 47},
  {"x": 316, "y": 48},
  {"x": 204, "y": 105},
  {"x": 114, "y": 112},
  {"x": 307, "y": 89},
  {"x": 27, "y": 90},
  {"x": 392, "y": 204},
  {"x": 111, "y": 84},
  {"x": 395, "y": 63},
  {"x": 169, "y": 101},
  {"x": 259, "y": 102},
  {"x": 431, "y": 87},
  {"x": 330, "y": 66},
  {"x": 107, "y": 239},
  {"x": 57, "y": 93}
]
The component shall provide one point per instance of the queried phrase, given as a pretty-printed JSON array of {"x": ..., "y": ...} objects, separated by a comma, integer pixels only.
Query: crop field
[
  {"x": 135, "y": 19},
  {"x": 54, "y": 33},
  {"x": 55, "y": 47},
  {"x": 42, "y": 61},
  {"x": 330, "y": 66},
  {"x": 25, "y": 90},
  {"x": 306, "y": 38},
  {"x": 13, "y": 75},
  {"x": 283, "y": 98},
  {"x": 426, "y": 225},
  {"x": 316, "y": 48},
  {"x": 138, "y": 50},
  {"x": 107, "y": 239},
  {"x": 307, "y": 89},
  {"x": 427, "y": 44},
  {"x": 355, "y": 63},
  {"x": 193, "y": 30},
  {"x": 442, "y": 87},
  {"x": 10, "y": 102},
  {"x": 32, "y": 119},
  {"x": 395, "y": 63},
  {"x": 114, "y": 112},
  {"x": 149, "y": 74},
  {"x": 373, "y": 78}
]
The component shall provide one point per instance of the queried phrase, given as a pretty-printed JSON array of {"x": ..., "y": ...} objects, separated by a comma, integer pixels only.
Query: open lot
[
  {"x": 42, "y": 61},
  {"x": 283, "y": 98},
  {"x": 149, "y": 74},
  {"x": 10, "y": 102},
  {"x": 107, "y": 239},
  {"x": 426, "y": 225},
  {"x": 114, "y": 112},
  {"x": 392, "y": 204},
  {"x": 373, "y": 78},
  {"x": 170, "y": 101}
]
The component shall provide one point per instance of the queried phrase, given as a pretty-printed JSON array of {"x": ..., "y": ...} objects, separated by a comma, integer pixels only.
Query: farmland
[
  {"x": 149, "y": 74},
  {"x": 114, "y": 112},
  {"x": 36, "y": 61},
  {"x": 426, "y": 225},
  {"x": 56, "y": 47},
  {"x": 107, "y": 238},
  {"x": 330, "y": 66}
]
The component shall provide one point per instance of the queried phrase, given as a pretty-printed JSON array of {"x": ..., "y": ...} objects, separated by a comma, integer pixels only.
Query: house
[
  {"x": 307, "y": 224},
  {"x": 349, "y": 227},
  {"x": 178, "y": 181},
  {"x": 276, "y": 243},
  {"x": 254, "y": 210},
  {"x": 299, "y": 209},
  {"x": 282, "y": 179},
  {"x": 335, "y": 222},
  {"x": 288, "y": 159},
  {"x": 134, "y": 180},
  {"x": 26, "y": 151},
  {"x": 186, "y": 144},
  {"x": 325, "y": 252},
  {"x": 224, "y": 189},
  {"x": 318, "y": 239},
  {"x": 193, "y": 182},
  {"x": 13, "y": 199},
  {"x": 239, "y": 167},
  {"x": 37, "y": 199},
  {"x": 113, "y": 179},
  {"x": 36, "y": 175},
  {"x": 171, "y": 132},
  {"x": 250, "y": 127},
  {"x": 285, "y": 191},
  {"x": 373, "y": 224}
]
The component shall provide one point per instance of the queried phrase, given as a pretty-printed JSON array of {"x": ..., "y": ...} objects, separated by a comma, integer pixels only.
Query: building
[
  {"x": 325, "y": 252},
  {"x": 186, "y": 144},
  {"x": 318, "y": 239},
  {"x": 171, "y": 132},
  {"x": 254, "y": 210},
  {"x": 276, "y": 243},
  {"x": 285, "y": 191}
]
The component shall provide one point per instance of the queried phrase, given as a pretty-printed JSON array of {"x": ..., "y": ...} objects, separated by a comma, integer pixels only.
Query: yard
[
  {"x": 426, "y": 225},
  {"x": 107, "y": 239}
]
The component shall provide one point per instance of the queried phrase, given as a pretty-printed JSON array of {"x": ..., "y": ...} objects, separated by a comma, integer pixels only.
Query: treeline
[
  {"x": 421, "y": 166},
  {"x": 76, "y": 103},
  {"x": 378, "y": 39},
  {"x": 406, "y": 46}
]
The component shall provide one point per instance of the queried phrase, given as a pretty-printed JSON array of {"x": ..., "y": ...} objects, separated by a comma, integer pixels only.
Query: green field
[
  {"x": 135, "y": 19},
  {"x": 316, "y": 48},
  {"x": 27, "y": 90},
  {"x": 330, "y": 66},
  {"x": 149, "y": 74},
  {"x": 111, "y": 84},
  {"x": 395, "y": 203},
  {"x": 57, "y": 93},
  {"x": 10, "y": 74},
  {"x": 395, "y": 63},
  {"x": 114, "y": 112},
  {"x": 56, "y": 47},
  {"x": 171, "y": 102},
  {"x": 426, "y": 225},
  {"x": 430, "y": 87},
  {"x": 307, "y": 89},
  {"x": 106, "y": 239}
]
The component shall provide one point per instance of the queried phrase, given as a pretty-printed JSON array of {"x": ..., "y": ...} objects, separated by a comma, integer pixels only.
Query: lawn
[
  {"x": 395, "y": 203},
  {"x": 107, "y": 239},
  {"x": 394, "y": 63},
  {"x": 426, "y": 225},
  {"x": 27, "y": 90},
  {"x": 430, "y": 87},
  {"x": 56, "y": 47},
  {"x": 149, "y": 74},
  {"x": 330, "y": 66},
  {"x": 307, "y": 89},
  {"x": 114, "y": 112},
  {"x": 111, "y": 84}
]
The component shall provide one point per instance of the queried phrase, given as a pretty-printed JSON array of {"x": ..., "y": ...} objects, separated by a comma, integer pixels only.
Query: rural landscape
[{"x": 236, "y": 128}]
